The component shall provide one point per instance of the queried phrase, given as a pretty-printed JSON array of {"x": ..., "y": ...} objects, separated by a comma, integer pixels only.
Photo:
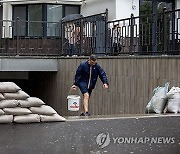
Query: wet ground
[{"x": 118, "y": 134}]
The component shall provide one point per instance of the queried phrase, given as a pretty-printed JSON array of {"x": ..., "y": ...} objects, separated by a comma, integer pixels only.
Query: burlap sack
[
  {"x": 6, "y": 118},
  {"x": 31, "y": 102},
  {"x": 9, "y": 87},
  {"x": 1, "y": 97},
  {"x": 1, "y": 112},
  {"x": 21, "y": 95},
  {"x": 17, "y": 111},
  {"x": 53, "y": 117},
  {"x": 8, "y": 103},
  {"x": 27, "y": 118},
  {"x": 43, "y": 110}
]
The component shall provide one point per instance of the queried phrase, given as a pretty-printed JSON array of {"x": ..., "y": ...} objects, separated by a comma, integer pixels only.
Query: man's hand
[
  {"x": 105, "y": 86},
  {"x": 74, "y": 87}
]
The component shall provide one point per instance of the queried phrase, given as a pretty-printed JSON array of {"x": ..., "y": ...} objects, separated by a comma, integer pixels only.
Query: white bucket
[{"x": 73, "y": 102}]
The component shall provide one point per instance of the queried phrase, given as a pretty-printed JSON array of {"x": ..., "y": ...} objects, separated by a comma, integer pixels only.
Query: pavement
[{"x": 113, "y": 134}]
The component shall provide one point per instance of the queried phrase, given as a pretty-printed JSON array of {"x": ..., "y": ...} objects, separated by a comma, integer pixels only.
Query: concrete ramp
[{"x": 122, "y": 134}]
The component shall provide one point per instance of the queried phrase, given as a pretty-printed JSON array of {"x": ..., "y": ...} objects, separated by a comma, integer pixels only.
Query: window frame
[{"x": 44, "y": 17}]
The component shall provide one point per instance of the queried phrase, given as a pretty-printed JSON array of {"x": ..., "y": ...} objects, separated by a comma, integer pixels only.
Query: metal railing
[
  {"x": 85, "y": 35},
  {"x": 149, "y": 34},
  {"x": 30, "y": 38}
]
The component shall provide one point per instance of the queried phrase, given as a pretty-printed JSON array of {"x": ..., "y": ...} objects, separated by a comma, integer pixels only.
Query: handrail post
[
  {"x": 131, "y": 32},
  {"x": 17, "y": 32},
  {"x": 62, "y": 39},
  {"x": 164, "y": 31},
  {"x": 106, "y": 30}
]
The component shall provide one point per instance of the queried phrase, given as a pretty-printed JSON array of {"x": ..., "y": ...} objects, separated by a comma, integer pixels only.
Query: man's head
[{"x": 92, "y": 59}]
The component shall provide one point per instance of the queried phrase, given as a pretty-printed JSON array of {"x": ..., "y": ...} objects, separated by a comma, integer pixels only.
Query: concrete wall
[
  {"x": 118, "y": 9},
  {"x": 125, "y": 8},
  {"x": 177, "y": 4},
  {"x": 99, "y": 6}
]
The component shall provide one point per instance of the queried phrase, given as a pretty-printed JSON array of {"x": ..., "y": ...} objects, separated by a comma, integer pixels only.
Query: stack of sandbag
[
  {"x": 17, "y": 106},
  {"x": 173, "y": 102},
  {"x": 158, "y": 101}
]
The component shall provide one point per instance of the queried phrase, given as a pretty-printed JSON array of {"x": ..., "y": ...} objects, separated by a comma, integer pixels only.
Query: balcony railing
[
  {"x": 149, "y": 34},
  {"x": 30, "y": 38}
]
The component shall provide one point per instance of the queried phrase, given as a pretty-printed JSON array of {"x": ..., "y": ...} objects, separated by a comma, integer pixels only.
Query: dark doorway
[{"x": 35, "y": 84}]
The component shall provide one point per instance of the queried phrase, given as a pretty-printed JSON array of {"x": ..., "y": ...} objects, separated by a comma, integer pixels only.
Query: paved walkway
[{"x": 118, "y": 134}]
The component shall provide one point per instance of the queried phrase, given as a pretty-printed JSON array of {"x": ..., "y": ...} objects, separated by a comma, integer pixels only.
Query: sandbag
[
  {"x": 17, "y": 111},
  {"x": 9, "y": 87},
  {"x": 158, "y": 101},
  {"x": 8, "y": 103},
  {"x": 172, "y": 91},
  {"x": 43, "y": 110},
  {"x": 173, "y": 96},
  {"x": 1, "y": 97},
  {"x": 1, "y": 112},
  {"x": 27, "y": 118},
  {"x": 21, "y": 95},
  {"x": 6, "y": 118},
  {"x": 53, "y": 117},
  {"x": 31, "y": 102}
]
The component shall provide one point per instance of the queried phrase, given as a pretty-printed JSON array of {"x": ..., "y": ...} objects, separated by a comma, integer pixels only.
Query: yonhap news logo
[{"x": 104, "y": 139}]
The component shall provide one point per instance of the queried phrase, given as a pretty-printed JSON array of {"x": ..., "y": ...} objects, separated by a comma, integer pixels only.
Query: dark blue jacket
[{"x": 83, "y": 74}]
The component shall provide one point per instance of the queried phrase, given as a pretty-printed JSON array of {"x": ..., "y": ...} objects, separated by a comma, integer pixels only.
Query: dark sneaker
[
  {"x": 86, "y": 114},
  {"x": 82, "y": 114}
]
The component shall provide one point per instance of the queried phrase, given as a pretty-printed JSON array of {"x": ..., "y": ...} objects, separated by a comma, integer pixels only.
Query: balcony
[{"x": 154, "y": 34}]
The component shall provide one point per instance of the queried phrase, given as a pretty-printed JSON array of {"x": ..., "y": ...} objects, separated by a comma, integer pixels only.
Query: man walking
[{"x": 86, "y": 77}]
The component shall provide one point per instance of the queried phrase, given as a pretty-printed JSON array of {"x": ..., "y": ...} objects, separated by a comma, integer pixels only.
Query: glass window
[
  {"x": 41, "y": 19},
  {"x": 20, "y": 13},
  {"x": 145, "y": 7},
  {"x": 164, "y": 4},
  {"x": 72, "y": 10},
  {"x": 54, "y": 15},
  {"x": 35, "y": 20}
]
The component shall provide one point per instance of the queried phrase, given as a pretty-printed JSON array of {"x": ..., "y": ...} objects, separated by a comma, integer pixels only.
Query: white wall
[
  {"x": 124, "y": 8},
  {"x": 118, "y": 9},
  {"x": 92, "y": 7},
  {"x": 177, "y": 4}
]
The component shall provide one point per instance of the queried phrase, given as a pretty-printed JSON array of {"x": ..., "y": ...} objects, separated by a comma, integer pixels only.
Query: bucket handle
[{"x": 71, "y": 91}]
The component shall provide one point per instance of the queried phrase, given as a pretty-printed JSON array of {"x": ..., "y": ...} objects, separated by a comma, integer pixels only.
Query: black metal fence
[
  {"x": 150, "y": 34},
  {"x": 30, "y": 38},
  {"x": 85, "y": 35}
]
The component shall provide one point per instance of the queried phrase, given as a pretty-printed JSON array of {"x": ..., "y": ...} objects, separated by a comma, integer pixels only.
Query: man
[{"x": 86, "y": 77}]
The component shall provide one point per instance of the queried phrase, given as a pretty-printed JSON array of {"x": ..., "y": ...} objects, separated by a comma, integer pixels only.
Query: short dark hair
[{"x": 93, "y": 57}]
